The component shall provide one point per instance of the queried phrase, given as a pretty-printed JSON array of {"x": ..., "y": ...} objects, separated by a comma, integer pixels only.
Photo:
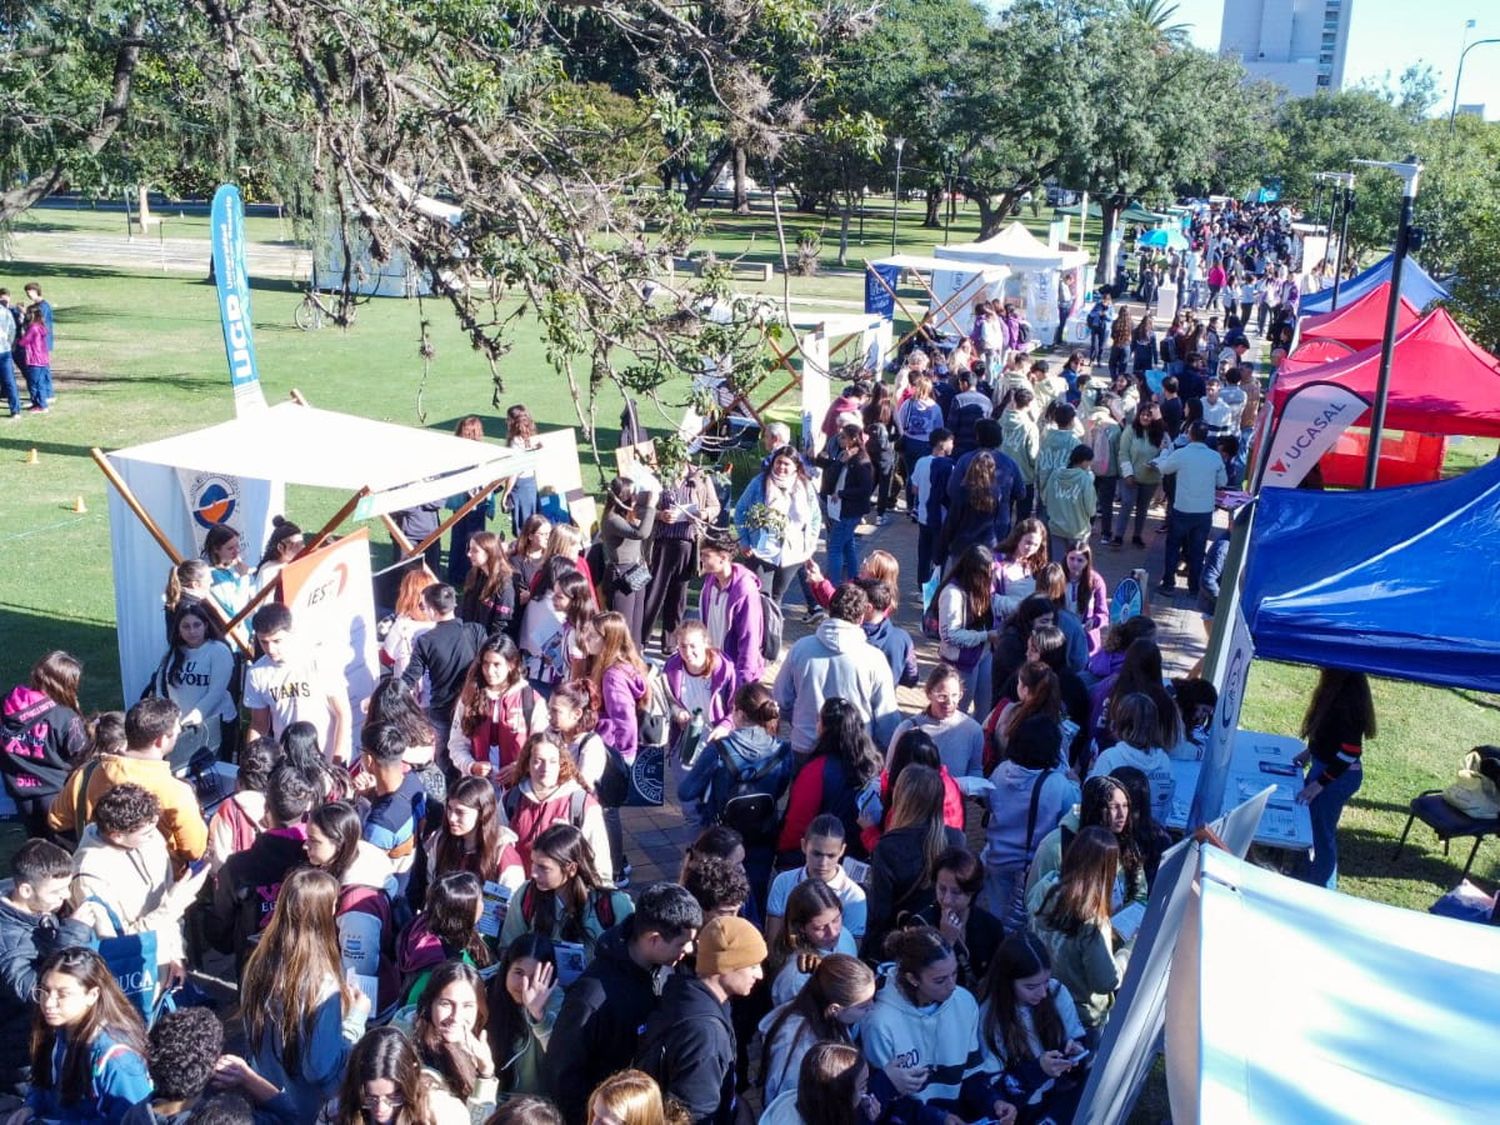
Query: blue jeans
[
  {"x": 1188, "y": 533},
  {"x": 39, "y": 383},
  {"x": 1322, "y": 869},
  {"x": 843, "y": 554},
  {"x": 8, "y": 383}
]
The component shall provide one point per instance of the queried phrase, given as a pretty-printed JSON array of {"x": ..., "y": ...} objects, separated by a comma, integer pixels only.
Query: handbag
[
  {"x": 131, "y": 960},
  {"x": 636, "y": 577}
]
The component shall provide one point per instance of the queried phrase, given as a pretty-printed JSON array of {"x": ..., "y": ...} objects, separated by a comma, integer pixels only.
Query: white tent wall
[{"x": 141, "y": 568}]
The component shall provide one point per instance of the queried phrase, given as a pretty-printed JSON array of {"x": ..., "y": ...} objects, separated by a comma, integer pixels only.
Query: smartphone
[{"x": 1074, "y": 1060}]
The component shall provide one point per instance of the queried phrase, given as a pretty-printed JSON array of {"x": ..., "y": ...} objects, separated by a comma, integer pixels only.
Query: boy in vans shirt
[
  {"x": 398, "y": 805},
  {"x": 822, "y": 849},
  {"x": 286, "y": 686}
]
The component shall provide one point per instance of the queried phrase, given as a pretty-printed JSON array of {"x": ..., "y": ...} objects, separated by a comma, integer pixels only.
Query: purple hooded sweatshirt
[
  {"x": 722, "y": 684},
  {"x": 743, "y": 621},
  {"x": 620, "y": 693}
]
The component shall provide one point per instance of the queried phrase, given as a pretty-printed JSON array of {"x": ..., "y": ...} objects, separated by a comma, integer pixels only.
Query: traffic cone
[
  {"x": 32, "y": 458},
  {"x": 80, "y": 508}
]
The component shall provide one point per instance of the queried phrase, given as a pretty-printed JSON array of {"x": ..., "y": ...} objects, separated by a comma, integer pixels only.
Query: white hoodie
[
  {"x": 1153, "y": 762},
  {"x": 837, "y": 660},
  {"x": 943, "y": 1036}
]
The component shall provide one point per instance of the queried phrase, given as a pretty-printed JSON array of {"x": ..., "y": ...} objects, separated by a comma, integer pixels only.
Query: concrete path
[{"x": 149, "y": 252}]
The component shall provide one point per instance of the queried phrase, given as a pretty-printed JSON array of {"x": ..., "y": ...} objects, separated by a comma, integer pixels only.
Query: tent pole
[
  {"x": 398, "y": 537},
  {"x": 463, "y": 510},
  {"x": 1410, "y": 172}
]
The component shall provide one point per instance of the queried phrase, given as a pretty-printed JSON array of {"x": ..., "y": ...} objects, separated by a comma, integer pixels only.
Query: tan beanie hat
[{"x": 727, "y": 944}]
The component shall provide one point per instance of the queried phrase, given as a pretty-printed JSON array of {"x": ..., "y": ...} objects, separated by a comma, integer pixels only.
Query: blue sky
[{"x": 1390, "y": 35}]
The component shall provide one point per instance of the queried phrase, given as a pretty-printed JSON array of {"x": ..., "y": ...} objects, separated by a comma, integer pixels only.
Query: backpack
[
  {"x": 1475, "y": 792},
  {"x": 577, "y": 806},
  {"x": 1023, "y": 333},
  {"x": 773, "y": 625},
  {"x": 753, "y": 791},
  {"x": 602, "y": 902},
  {"x": 1096, "y": 316},
  {"x": 1104, "y": 460}
]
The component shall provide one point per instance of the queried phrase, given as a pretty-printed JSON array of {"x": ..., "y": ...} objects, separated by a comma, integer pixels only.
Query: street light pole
[
  {"x": 1346, "y": 200},
  {"x": 900, "y": 143},
  {"x": 1453, "y": 113},
  {"x": 1410, "y": 172}
]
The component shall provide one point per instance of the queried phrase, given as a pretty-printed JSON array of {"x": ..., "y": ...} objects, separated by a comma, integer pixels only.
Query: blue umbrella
[{"x": 1163, "y": 237}]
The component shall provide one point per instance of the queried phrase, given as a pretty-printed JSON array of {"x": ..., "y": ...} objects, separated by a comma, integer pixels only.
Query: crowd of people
[
  {"x": 424, "y": 900},
  {"x": 26, "y": 342}
]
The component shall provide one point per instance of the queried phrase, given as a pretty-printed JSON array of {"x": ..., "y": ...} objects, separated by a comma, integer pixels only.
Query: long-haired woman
[
  {"x": 88, "y": 1045},
  {"x": 445, "y": 930},
  {"x": 1138, "y": 728},
  {"x": 1340, "y": 716},
  {"x": 615, "y": 668},
  {"x": 853, "y": 477},
  {"x": 904, "y": 861},
  {"x": 497, "y": 711},
  {"x": 1105, "y": 803},
  {"x": 784, "y": 533},
  {"x": 412, "y": 619},
  {"x": 452, "y": 1038},
  {"x": 528, "y": 551},
  {"x": 973, "y": 932},
  {"x": 967, "y": 628},
  {"x": 841, "y": 765},
  {"x": 812, "y": 929},
  {"x": 195, "y": 674},
  {"x": 1029, "y": 1030},
  {"x": 1088, "y": 595},
  {"x": 832, "y": 1089},
  {"x": 523, "y": 1004},
  {"x": 489, "y": 590},
  {"x": 471, "y": 837},
  {"x": 628, "y": 1097},
  {"x": 42, "y": 734},
  {"x": 625, "y": 528},
  {"x": 573, "y": 713},
  {"x": 549, "y": 789},
  {"x": 521, "y": 496},
  {"x": 384, "y": 1085},
  {"x": 1070, "y": 914},
  {"x": 301, "y": 1016},
  {"x": 1019, "y": 561},
  {"x": 565, "y": 898},
  {"x": 1140, "y": 443},
  {"x": 839, "y": 994},
  {"x": 1141, "y": 672},
  {"x": 231, "y": 581}
]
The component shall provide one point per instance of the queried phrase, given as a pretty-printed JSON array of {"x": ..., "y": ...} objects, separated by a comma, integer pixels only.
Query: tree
[
  {"x": 1156, "y": 17},
  {"x": 837, "y": 157}
]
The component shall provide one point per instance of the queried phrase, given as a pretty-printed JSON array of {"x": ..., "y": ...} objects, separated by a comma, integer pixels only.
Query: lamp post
[
  {"x": 1459, "y": 77},
  {"x": 1410, "y": 172},
  {"x": 1346, "y": 200},
  {"x": 900, "y": 143},
  {"x": 949, "y": 160}
]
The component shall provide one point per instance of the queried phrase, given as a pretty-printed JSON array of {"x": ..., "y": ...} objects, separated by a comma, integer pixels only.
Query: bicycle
[{"x": 312, "y": 313}]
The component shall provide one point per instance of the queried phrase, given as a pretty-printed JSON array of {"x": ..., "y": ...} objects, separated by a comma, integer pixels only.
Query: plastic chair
[{"x": 1447, "y": 823}]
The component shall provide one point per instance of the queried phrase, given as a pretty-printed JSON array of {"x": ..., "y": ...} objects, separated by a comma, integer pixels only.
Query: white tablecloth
[{"x": 1259, "y": 760}]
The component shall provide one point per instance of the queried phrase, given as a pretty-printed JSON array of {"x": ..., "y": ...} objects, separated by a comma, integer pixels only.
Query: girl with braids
[
  {"x": 836, "y": 998},
  {"x": 42, "y": 735},
  {"x": 923, "y": 1030},
  {"x": 301, "y": 1016},
  {"x": 385, "y": 1085},
  {"x": 446, "y": 929},
  {"x": 451, "y": 1038},
  {"x": 88, "y": 1045},
  {"x": 489, "y": 590},
  {"x": 565, "y": 898},
  {"x": 1070, "y": 915},
  {"x": 903, "y": 862},
  {"x": 524, "y": 1002},
  {"x": 813, "y": 929},
  {"x": 1029, "y": 1031},
  {"x": 497, "y": 712},
  {"x": 1105, "y": 804}
]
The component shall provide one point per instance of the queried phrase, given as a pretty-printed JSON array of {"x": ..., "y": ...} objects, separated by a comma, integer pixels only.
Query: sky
[{"x": 1390, "y": 35}]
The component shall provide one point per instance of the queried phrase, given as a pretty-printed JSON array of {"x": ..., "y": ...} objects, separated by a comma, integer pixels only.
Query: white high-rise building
[{"x": 1298, "y": 44}]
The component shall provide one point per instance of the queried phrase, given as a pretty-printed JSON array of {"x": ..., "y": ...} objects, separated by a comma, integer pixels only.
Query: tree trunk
[
  {"x": 741, "y": 195},
  {"x": 934, "y": 208},
  {"x": 1109, "y": 209},
  {"x": 987, "y": 216},
  {"x": 710, "y": 174}
]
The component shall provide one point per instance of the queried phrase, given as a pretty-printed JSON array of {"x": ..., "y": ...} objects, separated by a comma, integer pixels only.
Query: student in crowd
[
  {"x": 699, "y": 679},
  {"x": 922, "y": 1033},
  {"x": 1340, "y": 716},
  {"x": 195, "y": 675},
  {"x": 832, "y": 1089},
  {"x": 410, "y": 620},
  {"x": 929, "y": 480},
  {"x": 718, "y": 886},
  {"x": 286, "y": 685},
  {"x": 1070, "y": 500},
  {"x": 451, "y": 1036},
  {"x": 689, "y": 504},
  {"x": 604, "y": 1010},
  {"x": 1137, "y": 727},
  {"x": 549, "y": 790},
  {"x": 242, "y": 816},
  {"x": 842, "y": 763},
  {"x": 41, "y": 735},
  {"x": 688, "y": 1044},
  {"x": 731, "y": 608},
  {"x": 833, "y": 1003},
  {"x": 523, "y": 1003},
  {"x": 231, "y": 582},
  {"x": 616, "y": 669},
  {"x": 31, "y": 930},
  {"x": 301, "y": 1016},
  {"x": 447, "y": 929},
  {"x": 902, "y": 864},
  {"x": 778, "y": 519},
  {"x": 283, "y": 545},
  {"x": 959, "y": 739},
  {"x": 967, "y": 627},
  {"x": 475, "y": 520},
  {"x": 1030, "y": 1032},
  {"x": 629, "y": 515},
  {"x": 186, "y": 1056},
  {"x": 573, "y": 716},
  {"x": 396, "y": 817},
  {"x": 443, "y": 654},
  {"x": 1087, "y": 594},
  {"x": 1198, "y": 471},
  {"x": 1031, "y": 793},
  {"x": 972, "y": 932},
  {"x": 886, "y": 636},
  {"x": 496, "y": 712},
  {"x": 1070, "y": 915},
  {"x": 912, "y": 748},
  {"x": 471, "y": 838},
  {"x": 628, "y": 1097},
  {"x": 1105, "y": 804},
  {"x": 565, "y": 898},
  {"x": 488, "y": 594},
  {"x": 812, "y": 929},
  {"x": 384, "y": 1084},
  {"x": 823, "y": 848},
  {"x": 849, "y": 480},
  {"x": 88, "y": 1044},
  {"x": 188, "y": 583}
]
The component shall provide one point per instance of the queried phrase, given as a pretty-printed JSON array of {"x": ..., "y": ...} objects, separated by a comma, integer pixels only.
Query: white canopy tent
[
  {"x": 1288, "y": 1002},
  {"x": 223, "y": 474},
  {"x": 1033, "y": 271},
  {"x": 978, "y": 282}
]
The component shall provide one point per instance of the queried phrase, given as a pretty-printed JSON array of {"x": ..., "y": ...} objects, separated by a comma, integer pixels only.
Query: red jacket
[{"x": 953, "y": 808}]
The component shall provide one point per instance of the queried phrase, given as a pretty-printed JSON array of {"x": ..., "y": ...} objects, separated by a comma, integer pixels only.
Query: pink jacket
[{"x": 33, "y": 342}]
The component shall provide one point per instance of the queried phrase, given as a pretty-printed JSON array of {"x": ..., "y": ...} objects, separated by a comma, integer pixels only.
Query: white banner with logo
[
  {"x": 213, "y": 499},
  {"x": 1230, "y": 678},
  {"x": 1309, "y": 424}
]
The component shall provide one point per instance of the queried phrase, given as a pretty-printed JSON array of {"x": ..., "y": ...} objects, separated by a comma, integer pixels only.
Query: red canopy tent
[
  {"x": 1361, "y": 322},
  {"x": 1312, "y": 354}
]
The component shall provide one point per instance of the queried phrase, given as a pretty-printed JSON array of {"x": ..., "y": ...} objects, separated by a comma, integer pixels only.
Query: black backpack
[
  {"x": 750, "y": 808},
  {"x": 773, "y": 626}
]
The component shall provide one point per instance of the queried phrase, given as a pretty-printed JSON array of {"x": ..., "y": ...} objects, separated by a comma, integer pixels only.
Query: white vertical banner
[
  {"x": 1306, "y": 428},
  {"x": 1229, "y": 677},
  {"x": 817, "y": 395},
  {"x": 213, "y": 500}
]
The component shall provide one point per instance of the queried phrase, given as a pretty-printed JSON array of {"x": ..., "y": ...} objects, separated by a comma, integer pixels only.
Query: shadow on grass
[
  {"x": 32, "y": 633},
  {"x": 1370, "y": 855},
  {"x": 43, "y": 449},
  {"x": 1478, "y": 699}
]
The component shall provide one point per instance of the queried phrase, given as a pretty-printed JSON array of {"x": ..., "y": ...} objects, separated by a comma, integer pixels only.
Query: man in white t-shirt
[
  {"x": 284, "y": 687},
  {"x": 822, "y": 849}
]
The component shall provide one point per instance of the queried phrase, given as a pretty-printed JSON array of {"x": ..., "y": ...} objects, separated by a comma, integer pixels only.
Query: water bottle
[{"x": 693, "y": 740}]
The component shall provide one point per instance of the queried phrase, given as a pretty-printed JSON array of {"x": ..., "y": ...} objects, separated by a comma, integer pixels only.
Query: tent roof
[
  {"x": 1017, "y": 247},
  {"x": 1385, "y": 582},
  {"x": 1416, "y": 286},
  {"x": 401, "y": 465},
  {"x": 1441, "y": 381},
  {"x": 1277, "y": 1042},
  {"x": 1134, "y": 213},
  {"x": 918, "y": 262},
  {"x": 1311, "y": 354},
  {"x": 1360, "y": 322}
]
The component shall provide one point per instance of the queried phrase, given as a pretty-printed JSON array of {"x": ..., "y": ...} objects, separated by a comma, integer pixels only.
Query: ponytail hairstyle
[
  {"x": 1006, "y": 1035},
  {"x": 914, "y": 949},
  {"x": 808, "y": 899},
  {"x": 56, "y": 676},
  {"x": 282, "y": 529},
  {"x": 839, "y": 981},
  {"x": 757, "y": 704},
  {"x": 452, "y": 912},
  {"x": 189, "y": 572}
]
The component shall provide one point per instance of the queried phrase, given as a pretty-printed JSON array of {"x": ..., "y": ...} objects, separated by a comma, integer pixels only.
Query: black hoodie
[
  {"x": 689, "y": 1048},
  {"x": 600, "y": 1021}
]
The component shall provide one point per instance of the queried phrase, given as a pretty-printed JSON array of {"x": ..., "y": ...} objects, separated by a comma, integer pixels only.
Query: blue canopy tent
[
  {"x": 1396, "y": 582},
  {"x": 1416, "y": 287}
]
